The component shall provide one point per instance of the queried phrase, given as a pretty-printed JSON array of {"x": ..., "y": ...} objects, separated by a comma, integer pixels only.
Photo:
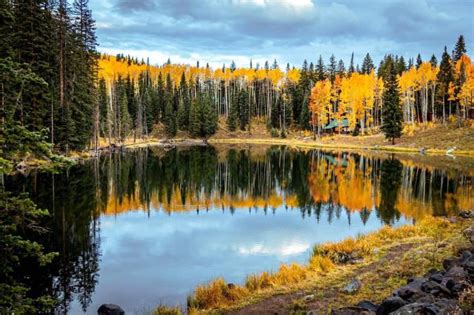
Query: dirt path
[{"x": 320, "y": 299}]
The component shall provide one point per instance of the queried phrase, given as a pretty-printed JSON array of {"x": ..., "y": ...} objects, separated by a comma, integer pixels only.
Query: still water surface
[{"x": 145, "y": 227}]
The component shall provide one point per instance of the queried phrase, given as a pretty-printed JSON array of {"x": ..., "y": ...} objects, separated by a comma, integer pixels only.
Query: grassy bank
[{"x": 381, "y": 261}]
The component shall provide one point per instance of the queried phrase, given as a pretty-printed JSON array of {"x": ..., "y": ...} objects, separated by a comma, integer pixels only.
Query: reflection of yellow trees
[
  {"x": 349, "y": 186},
  {"x": 194, "y": 201},
  {"x": 355, "y": 185},
  {"x": 349, "y": 181}
]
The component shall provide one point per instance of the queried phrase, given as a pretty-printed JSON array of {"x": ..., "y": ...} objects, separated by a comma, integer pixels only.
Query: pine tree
[
  {"x": 320, "y": 69},
  {"x": 169, "y": 119},
  {"x": 195, "y": 119},
  {"x": 401, "y": 66},
  {"x": 208, "y": 118},
  {"x": 459, "y": 49},
  {"x": 434, "y": 61},
  {"x": 158, "y": 108},
  {"x": 367, "y": 64},
  {"x": 332, "y": 68},
  {"x": 419, "y": 61},
  {"x": 351, "y": 69},
  {"x": 341, "y": 69},
  {"x": 391, "y": 110},
  {"x": 232, "y": 118},
  {"x": 244, "y": 108},
  {"x": 445, "y": 77},
  {"x": 184, "y": 104}
]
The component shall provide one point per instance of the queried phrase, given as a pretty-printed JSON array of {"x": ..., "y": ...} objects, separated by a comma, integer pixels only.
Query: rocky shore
[{"x": 447, "y": 291}]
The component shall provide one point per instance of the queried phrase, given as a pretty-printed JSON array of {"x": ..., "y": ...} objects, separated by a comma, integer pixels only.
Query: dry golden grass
[{"x": 165, "y": 310}]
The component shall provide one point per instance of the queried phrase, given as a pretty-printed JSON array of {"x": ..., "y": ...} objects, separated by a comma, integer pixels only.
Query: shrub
[
  {"x": 274, "y": 133},
  {"x": 319, "y": 263},
  {"x": 214, "y": 294},
  {"x": 258, "y": 282}
]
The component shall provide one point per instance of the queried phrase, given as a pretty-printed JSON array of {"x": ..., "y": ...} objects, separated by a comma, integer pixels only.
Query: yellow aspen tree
[{"x": 320, "y": 105}]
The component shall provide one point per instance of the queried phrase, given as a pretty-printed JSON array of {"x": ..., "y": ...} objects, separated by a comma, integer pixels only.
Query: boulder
[
  {"x": 435, "y": 289},
  {"x": 437, "y": 277},
  {"x": 437, "y": 308},
  {"x": 110, "y": 309},
  {"x": 390, "y": 305},
  {"x": 466, "y": 214},
  {"x": 412, "y": 291},
  {"x": 353, "y": 286},
  {"x": 368, "y": 306},
  {"x": 469, "y": 234}
]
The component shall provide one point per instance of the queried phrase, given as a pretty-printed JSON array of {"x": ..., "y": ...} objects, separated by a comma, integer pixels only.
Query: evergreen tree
[
  {"x": 184, "y": 104},
  {"x": 320, "y": 69},
  {"x": 332, "y": 68},
  {"x": 445, "y": 77},
  {"x": 305, "y": 116},
  {"x": 351, "y": 69},
  {"x": 367, "y": 64},
  {"x": 419, "y": 61},
  {"x": 401, "y": 66},
  {"x": 341, "y": 69},
  {"x": 195, "y": 119},
  {"x": 208, "y": 118},
  {"x": 158, "y": 108},
  {"x": 391, "y": 110},
  {"x": 244, "y": 109},
  {"x": 459, "y": 49},
  {"x": 434, "y": 61},
  {"x": 233, "y": 117},
  {"x": 170, "y": 118}
]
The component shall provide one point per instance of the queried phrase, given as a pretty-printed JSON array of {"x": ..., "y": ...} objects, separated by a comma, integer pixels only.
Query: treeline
[
  {"x": 48, "y": 70},
  {"x": 306, "y": 98}
]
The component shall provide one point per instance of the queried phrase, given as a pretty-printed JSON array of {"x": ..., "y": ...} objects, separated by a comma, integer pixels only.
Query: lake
[{"x": 144, "y": 227}]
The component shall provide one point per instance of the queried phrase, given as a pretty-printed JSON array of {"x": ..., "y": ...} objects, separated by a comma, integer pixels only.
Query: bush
[{"x": 275, "y": 133}]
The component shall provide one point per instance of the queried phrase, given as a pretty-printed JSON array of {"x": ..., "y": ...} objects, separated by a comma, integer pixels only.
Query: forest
[{"x": 56, "y": 84}]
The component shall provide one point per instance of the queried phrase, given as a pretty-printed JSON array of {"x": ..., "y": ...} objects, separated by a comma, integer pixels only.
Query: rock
[
  {"x": 439, "y": 307},
  {"x": 368, "y": 306},
  {"x": 110, "y": 309},
  {"x": 437, "y": 277},
  {"x": 309, "y": 298},
  {"x": 435, "y": 288},
  {"x": 353, "y": 310},
  {"x": 469, "y": 234},
  {"x": 352, "y": 287},
  {"x": 449, "y": 263},
  {"x": 412, "y": 291},
  {"x": 389, "y": 305},
  {"x": 466, "y": 214},
  {"x": 455, "y": 273}
]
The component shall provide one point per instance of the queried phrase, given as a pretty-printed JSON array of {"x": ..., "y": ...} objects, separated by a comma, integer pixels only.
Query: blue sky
[{"x": 219, "y": 31}]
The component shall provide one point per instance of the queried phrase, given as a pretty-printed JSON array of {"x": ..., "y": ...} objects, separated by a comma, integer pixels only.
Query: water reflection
[{"x": 162, "y": 222}]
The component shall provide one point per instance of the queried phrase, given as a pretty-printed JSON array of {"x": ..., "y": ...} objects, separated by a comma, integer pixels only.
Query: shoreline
[
  {"x": 379, "y": 262},
  {"x": 297, "y": 143},
  {"x": 165, "y": 143}
]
